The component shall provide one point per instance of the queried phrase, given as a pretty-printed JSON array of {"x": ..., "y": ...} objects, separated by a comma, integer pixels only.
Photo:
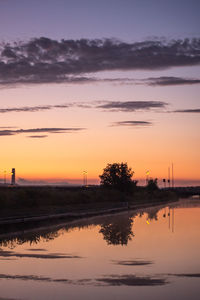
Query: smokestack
[{"x": 13, "y": 176}]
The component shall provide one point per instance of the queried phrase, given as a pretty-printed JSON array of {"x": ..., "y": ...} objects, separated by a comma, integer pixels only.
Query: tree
[
  {"x": 152, "y": 185},
  {"x": 117, "y": 175}
]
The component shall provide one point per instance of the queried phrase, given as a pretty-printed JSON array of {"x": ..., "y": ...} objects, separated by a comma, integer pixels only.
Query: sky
[{"x": 87, "y": 83}]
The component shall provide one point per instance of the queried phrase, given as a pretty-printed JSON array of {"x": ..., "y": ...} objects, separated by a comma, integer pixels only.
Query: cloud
[
  {"x": 5, "y": 253},
  {"x": 37, "y": 136},
  {"x": 130, "y": 106},
  {"x": 31, "y": 108},
  {"x": 6, "y": 127},
  {"x": 195, "y": 110},
  {"x": 166, "y": 81},
  {"x": 132, "y": 123},
  {"x": 24, "y": 109},
  {"x": 131, "y": 280},
  {"x": 110, "y": 280},
  {"x": 36, "y": 249},
  {"x": 43, "y": 60},
  {"x": 108, "y": 105},
  {"x": 194, "y": 275},
  {"x": 133, "y": 262},
  {"x": 9, "y": 132}
]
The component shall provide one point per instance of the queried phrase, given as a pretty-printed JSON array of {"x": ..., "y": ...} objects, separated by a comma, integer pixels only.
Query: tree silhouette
[
  {"x": 117, "y": 175},
  {"x": 118, "y": 232},
  {"x": 152, "y": 185}
]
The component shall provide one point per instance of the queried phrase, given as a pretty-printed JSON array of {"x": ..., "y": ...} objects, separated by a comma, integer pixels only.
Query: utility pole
[
  {"x": 84, "y": 178},
  {"x": 168, "y": 176},
  {"x": 172, "y": 175}
]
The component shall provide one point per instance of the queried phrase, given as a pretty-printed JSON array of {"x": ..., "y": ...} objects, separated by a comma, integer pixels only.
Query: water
[{"x": 149, "y": 254}]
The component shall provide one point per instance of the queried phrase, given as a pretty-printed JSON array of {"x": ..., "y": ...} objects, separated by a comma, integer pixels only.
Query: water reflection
[
  {"x": 88, "y": 258},
  {"x": 115, "y": 229},
  {"x": 153, "y": 214},
  {"x": 111, "y": 280},
  {"x": 4, "y": 253},
  {"x": 119, "y": 232},
  {"x": 32, "y": 238}
]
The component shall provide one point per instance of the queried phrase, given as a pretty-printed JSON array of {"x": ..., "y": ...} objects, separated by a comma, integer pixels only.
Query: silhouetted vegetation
[
  {"x": 117, "y": 176},
  {"x": 152, "y": 185},
  {"x": 116, "y": 189},
  {"x": 118, "y": 232}
]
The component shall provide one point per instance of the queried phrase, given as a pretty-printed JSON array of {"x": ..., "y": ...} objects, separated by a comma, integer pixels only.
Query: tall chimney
[{"x": 13, "y": 176}]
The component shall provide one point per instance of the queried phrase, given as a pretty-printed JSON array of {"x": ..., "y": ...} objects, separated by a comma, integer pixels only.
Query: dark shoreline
[
  {"x": 13, "y": 230},
  {"x": 82, "y": 214},
  {"x": 31, "y": 204}
]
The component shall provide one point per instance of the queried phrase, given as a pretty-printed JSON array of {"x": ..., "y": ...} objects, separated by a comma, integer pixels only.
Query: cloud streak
[
  {"x": 31, "y": 108},
  {"x": 9, "y": 132},
  {"x": 110, "y": 280},
  {"x": 168, "y": 81},
  {"x": 133, "y": 262},
  {"x": 106, "y": 105},
  {"x": 4, "y": 253},
  {"x": 130, "y": 106},
  {"x": 131, "y": 280},
  {"x": 132, "y": 123},
  {"x": 43, "y": 60},
  {"x": 37, "y": 136},
  {"x": 195, "y": 110}
]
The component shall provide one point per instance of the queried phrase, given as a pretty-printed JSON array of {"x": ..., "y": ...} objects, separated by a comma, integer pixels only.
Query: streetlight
[
  {"x": 84, "y": 178},
  {"x": 4, "y": 177},
  {"x": 147, "y": 176}
]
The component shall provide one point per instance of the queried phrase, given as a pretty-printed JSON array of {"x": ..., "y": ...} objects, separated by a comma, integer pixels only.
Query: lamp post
[
  {"x": 84, "y": 178},
  {"x": 147, "y": 176}
]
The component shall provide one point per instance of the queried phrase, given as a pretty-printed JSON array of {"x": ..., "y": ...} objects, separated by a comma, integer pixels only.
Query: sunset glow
[{"x": 133, "y": 98}]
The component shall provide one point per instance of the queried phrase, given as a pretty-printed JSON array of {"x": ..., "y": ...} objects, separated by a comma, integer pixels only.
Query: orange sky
[
  {"x": 137, "y": 53},
  {"x": 172, "y": 137}
]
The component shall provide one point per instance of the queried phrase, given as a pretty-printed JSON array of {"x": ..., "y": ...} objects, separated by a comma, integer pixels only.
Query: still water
[{"x": 152, "y": 253}]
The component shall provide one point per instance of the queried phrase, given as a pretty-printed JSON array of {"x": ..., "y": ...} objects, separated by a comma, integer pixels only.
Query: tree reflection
[
  {"x": 153, "y": 214},
  {"x": 119, "y": 232},
  {"x": 34, "y": 238}
]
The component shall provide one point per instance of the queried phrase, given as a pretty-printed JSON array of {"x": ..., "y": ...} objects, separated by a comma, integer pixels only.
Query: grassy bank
[{"x": 39, "y": 200}]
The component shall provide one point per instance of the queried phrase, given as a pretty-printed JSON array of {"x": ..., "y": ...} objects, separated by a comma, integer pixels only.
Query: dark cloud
[
  {"x": 9, "y": 132},
  {"x": 24, "y": 109},
  {"x": 165, "y": 81},
  {"x": 131, "y": 280},
  {"x": 111, "y": 280},
  {"x": 43, "y": 60},
  {"x": 197, "y": 110},
  {"x": 37, "y": 249},
  {"x": 5, "y": 253},
  {"x": 108, "y": 105},
  {"x": 132, "y": 123},
  {"x": 33, "y": 277},
  {"x": 130, "y": 106},
  {"x": 37, "y": 136},
  {"x": 133, "y": 262},
  {"x": 32, "y": 108}
]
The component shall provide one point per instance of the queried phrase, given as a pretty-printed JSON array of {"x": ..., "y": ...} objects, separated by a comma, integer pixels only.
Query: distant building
[{"x": 13, "y": 176}]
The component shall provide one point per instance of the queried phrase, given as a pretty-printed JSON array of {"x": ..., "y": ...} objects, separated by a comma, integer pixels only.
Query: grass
[{"x": 34, "y": 200}]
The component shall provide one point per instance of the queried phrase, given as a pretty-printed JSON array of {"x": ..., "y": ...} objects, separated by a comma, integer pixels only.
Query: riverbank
[{"x": 32, "y": 204}]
